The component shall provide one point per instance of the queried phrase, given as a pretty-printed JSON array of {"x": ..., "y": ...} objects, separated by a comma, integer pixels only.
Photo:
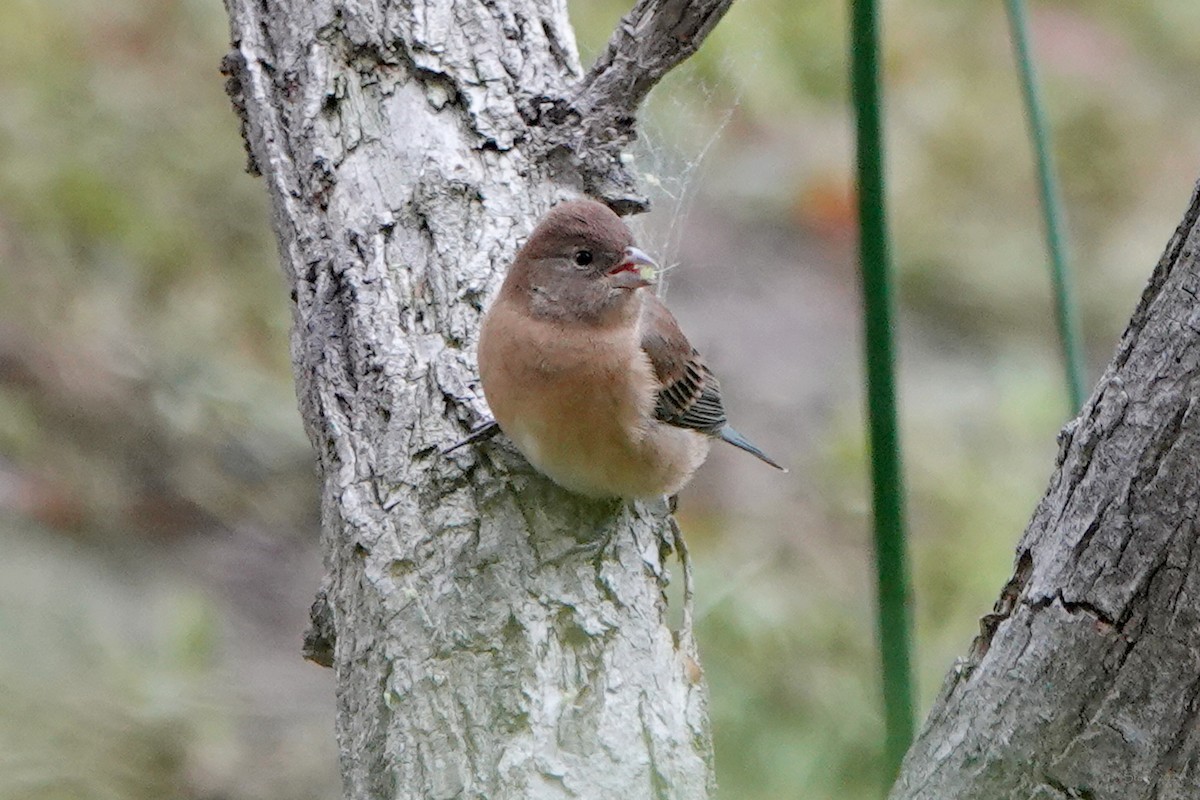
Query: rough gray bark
[
  {"x": 1085, "y": 682},
  {"x": 407, "y": 147}
]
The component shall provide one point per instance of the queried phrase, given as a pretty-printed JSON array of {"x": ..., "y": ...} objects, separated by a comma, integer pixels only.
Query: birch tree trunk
[
  {"x": 408, "y": 146},
  {"x": 1085, "y": 682}
]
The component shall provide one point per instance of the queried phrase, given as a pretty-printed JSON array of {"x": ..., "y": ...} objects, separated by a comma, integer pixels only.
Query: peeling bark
[
  {"x": 1085, "y": 682},
  {"x": 407, "y": 148}
]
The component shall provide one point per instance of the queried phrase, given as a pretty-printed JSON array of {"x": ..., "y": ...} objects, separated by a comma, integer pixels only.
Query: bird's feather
[
  {"x": 689, "y": 395},
  {"x": 728, "y": 434}
]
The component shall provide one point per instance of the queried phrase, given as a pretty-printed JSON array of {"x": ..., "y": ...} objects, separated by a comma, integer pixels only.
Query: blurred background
[{"x": 158, "y": 519}]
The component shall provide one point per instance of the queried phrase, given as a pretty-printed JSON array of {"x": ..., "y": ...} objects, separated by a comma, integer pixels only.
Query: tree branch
[
  {"x": 1085, "y": 682},
  {"x": 587, "y": 130},
  {"x": 648, "y": 43}
]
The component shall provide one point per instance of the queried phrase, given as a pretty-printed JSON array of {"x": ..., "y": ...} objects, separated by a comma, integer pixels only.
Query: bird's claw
[{"x": 484, "y": 432}]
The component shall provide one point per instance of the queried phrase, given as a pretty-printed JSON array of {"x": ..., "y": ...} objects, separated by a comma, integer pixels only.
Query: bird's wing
[{"x": 689, "y": 395}]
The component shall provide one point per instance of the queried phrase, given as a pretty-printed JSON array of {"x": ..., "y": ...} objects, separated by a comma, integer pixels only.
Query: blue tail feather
[{"x": 728, "y": 434}]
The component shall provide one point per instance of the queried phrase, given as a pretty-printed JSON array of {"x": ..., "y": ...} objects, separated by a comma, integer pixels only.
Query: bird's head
[{"x": 580, "y": 263}]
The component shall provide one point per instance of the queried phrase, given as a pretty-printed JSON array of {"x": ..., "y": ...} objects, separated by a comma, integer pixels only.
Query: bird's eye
[{"x": 583, "y": 258}]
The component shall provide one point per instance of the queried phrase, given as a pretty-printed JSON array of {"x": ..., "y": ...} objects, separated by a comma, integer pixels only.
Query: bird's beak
[{"x": 635, "y": 271}]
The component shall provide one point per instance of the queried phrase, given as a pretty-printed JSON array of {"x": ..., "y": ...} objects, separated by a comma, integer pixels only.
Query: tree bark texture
[
  {"x": 1085, "y": 682},
  {"x": 408, "y": 147}
]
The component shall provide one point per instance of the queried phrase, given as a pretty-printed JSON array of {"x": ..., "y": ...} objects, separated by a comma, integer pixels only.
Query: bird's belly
[
  {"x": 605, "y": 460},
  {"x": 587, "y": 423}
]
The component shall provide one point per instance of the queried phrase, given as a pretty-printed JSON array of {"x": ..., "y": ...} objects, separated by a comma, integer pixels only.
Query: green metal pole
[
  {"x": 1064, "y": 302},
  {"x": 887, "y": 481}
]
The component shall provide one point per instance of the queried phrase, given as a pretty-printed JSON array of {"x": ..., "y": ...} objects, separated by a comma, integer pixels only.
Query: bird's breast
[{"x": 579, "y": 403}]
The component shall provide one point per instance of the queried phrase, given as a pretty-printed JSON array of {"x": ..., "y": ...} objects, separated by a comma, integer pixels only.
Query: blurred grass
[
  {"x": 137, "y": 289},
  {"x": 786, "y": 630},
  {"x": 96, "y": 700},
  {"x": 156, "y": 488}
]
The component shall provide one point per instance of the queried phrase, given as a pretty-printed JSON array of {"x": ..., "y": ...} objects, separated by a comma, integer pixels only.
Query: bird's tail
[{"x": 728, "y": 434}]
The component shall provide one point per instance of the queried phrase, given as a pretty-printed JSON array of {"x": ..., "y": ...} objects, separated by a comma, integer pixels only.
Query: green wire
[
  {"x": 887, "y": 481},
  {"x": 1068, "y": 327}
]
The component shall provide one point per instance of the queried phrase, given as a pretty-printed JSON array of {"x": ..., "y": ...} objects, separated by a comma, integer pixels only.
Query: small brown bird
[{"x": 589, "y": 374}]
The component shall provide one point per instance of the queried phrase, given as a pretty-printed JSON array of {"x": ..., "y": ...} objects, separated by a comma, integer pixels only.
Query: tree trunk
[
  {"x": 408, "y": 147},
  {"x": 1085, "y": 682}
]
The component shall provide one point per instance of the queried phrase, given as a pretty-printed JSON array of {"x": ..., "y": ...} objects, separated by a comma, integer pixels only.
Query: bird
[{"x": 587, "y": 371}]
